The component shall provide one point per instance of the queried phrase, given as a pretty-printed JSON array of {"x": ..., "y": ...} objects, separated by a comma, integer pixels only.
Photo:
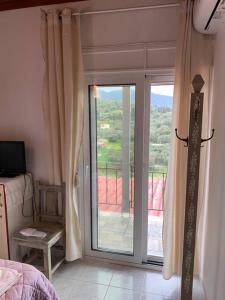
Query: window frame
[
  {"x": 142, "y": 115},
  {"x": 150, "y": 80}
]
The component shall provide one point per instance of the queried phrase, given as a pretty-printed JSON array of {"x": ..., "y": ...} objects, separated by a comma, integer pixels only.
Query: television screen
[{"x": 12, "y": 158}]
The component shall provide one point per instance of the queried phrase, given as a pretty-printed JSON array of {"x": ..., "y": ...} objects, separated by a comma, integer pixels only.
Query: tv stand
[{"x": 13, "y": 192}]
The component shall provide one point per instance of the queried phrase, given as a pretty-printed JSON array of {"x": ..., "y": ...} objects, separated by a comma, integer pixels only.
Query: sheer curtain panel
[
  {"x": 194, "y": 56},
  {"x": 63, "y": 111}
]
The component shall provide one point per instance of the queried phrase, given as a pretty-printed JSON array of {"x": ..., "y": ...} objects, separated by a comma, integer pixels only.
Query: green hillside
[{"x": 109, "y": 134}]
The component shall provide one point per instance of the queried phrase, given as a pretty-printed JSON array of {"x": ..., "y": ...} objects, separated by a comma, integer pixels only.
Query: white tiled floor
[{"x": 100, "y": 281}]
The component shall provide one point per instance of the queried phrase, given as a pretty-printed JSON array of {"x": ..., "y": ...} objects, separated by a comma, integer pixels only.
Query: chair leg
[
  {"x": 19, "y": 253},
  {"x": 64, "y": 245},
  {"x": 47, "y": 263}
]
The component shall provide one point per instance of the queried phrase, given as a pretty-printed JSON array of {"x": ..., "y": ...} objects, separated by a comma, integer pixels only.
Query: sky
[{"x": 166, "y": 90}]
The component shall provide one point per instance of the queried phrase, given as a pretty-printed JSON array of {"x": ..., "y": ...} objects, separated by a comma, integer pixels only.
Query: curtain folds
[
  {"x": 63, "y": 111},
  {"x": 194, "y": 56}
]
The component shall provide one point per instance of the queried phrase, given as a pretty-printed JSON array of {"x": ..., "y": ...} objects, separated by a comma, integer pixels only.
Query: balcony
[{"x": 116, "y": 216}]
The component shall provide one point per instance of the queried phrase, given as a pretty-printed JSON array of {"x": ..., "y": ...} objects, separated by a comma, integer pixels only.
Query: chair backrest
[{"x": 50, "y": 203}]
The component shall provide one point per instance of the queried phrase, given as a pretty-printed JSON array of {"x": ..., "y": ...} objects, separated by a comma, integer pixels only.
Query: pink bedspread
[{"x": 33, "y": 285}]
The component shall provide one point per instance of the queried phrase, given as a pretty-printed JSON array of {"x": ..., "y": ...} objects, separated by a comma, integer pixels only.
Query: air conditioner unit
[{"x": 208, "y": 15}]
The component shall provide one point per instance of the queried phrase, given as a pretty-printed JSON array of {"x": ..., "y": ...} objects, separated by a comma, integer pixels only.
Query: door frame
[
  {"x": 159, "y": 79},
  {"x": 142, "y": 121},
  {"x": 116, "y": 79}
]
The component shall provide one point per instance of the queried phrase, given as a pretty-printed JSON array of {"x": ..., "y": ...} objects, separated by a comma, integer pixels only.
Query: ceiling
[
  {"x": 15, "y": 4},
  {"x": 91, "y": 5}
]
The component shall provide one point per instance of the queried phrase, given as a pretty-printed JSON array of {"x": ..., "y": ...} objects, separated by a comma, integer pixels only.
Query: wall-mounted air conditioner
[{"x": 208, "y": 15}]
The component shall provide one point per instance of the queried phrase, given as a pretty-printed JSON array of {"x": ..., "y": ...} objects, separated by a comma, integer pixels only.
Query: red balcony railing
[{"x": 109, "y": 187}]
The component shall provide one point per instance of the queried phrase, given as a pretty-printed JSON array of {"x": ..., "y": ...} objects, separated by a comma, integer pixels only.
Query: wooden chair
[{"x": 49, "y": 218}]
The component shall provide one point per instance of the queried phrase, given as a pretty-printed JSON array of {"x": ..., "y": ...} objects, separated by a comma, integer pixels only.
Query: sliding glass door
[
  {"x": 112, "y": 120},
  {"x": 128, "y": 138},
  {"x": 161, "y": 102}
]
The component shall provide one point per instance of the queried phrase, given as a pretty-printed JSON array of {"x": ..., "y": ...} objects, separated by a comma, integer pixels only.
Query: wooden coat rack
[{"x": 193, "y": 142}]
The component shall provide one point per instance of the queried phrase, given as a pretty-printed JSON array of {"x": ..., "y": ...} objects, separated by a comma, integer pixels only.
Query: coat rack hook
[
  {"x": 181, "y": 139},
  {"x": 206, "y": 140}
]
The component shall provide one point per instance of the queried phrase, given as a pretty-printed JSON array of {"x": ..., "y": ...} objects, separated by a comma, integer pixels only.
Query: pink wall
[
  {"x": 214, "y": 256},
  {"x": 21, "y": 72},
  {"x": 21, "y": 63}
]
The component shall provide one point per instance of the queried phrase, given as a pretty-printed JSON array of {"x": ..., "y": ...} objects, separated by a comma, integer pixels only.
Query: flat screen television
[{"x": 12, "y": 158}]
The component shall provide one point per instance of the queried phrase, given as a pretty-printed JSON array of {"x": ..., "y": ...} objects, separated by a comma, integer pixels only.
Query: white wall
[
  {"x": 214, "y": 260},
  {"x": 21, "y": 64}
]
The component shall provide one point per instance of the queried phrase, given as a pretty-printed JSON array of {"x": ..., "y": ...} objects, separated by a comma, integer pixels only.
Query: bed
[{"x": 32, "y": 285}]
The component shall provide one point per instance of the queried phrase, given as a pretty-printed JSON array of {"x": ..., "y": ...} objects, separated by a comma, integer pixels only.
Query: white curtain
[
  {"x": 63, "y": 111},
  {"x": 194, "y": 56}
]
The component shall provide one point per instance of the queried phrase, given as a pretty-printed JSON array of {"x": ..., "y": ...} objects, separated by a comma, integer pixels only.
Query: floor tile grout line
[
  {"x": 106, "y": 292},
  {"x": 84, "y": 281},
  {"x": 139, "y": 293},
  {"x": 111, "y": 278}
]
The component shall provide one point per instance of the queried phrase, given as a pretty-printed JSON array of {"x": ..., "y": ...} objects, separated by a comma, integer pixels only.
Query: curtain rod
[{"x": 96, "y": 12}]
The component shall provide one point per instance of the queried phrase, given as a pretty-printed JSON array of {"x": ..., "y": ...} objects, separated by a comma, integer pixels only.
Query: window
[
  {"x": 112, "y": 119},
  {"x": 128, "y": 142}
]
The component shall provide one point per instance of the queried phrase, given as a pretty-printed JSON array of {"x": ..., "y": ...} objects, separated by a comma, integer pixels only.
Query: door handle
[{"x": 86, "y": 170}]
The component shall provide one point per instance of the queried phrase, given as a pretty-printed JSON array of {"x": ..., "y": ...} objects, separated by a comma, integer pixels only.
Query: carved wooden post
[{"x": 194, "y": 146}]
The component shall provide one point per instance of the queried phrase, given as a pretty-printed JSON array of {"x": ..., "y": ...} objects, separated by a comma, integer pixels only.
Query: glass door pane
[
  {"x": 112, "y": 127},
  {"x": 161, "y": 99}
]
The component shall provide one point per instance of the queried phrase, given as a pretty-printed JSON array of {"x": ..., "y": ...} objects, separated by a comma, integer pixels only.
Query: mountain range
[{"x": 156, "y": 99}]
